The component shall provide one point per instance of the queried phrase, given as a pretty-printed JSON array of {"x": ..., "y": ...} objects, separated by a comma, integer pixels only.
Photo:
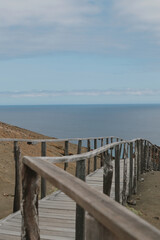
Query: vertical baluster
[
  {"x": 117, "y": 174},
  {"x": 95, "y": 158},
  {"x": 66, "y": 153},
  {"x": 124, "y": 191},
  {"x": 131, "y": 170},
  {"x": 17, "y": 191},
  {"x": 102, "y": 154},
  {"x": 111, "y": 149},
  {"x": 138, "y": 159},
  {"x": 43, "y": 181},
  {"x": 80, "y": 213},
  {"x": 158, "y": 160},
  {"x": 142, "y": 156},
  {"x": 135, "y": 166},
  {"x": 107, "y": 174},
  {"x": 89, "y": 149},
  {"x": 79, "y": 149},
  {"x": 154, "y": 158}
]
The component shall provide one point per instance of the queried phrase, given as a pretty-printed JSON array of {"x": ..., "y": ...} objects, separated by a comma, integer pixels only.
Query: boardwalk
[{"x": 56, "y": 213}]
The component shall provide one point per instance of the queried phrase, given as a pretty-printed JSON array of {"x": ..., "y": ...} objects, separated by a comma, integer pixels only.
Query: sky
[{"x": 79, "y": 52}]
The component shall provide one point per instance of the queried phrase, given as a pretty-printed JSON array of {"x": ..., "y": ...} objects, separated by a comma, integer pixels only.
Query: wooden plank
[{"x": 95, "y": 230}]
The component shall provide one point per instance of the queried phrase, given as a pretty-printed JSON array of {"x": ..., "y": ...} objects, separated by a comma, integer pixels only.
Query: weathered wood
[
  {"x": 111, "y": 149},
  {"x": 43, "y": 181},
  {"x": 17, "y": 191},
  {"x": 117, "y": 174},
  {"x": 138, "y": 159},
  {"x": 107, "y": 174},
  {"x": 96, "y": 231},
  {"x": 124, "y": 191},
  {"x": 135, "y": 167},
  {"x": 102, "y": 208},
  {"x": 89, "y": 149},
  {"x": 30, "y": 221},
  {"x": 102, "y": 154},
  {"x": 80, "y": 212},
  {"x": 95, "y": 157},
  {"x": 158, "y": 160},
  {"x": 131, "y": 170},
  {"x": 142, "y": 156},
  {"x": 66, "y": 153}
]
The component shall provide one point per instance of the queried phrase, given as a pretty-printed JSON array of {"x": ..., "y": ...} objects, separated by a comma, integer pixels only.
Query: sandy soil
[{"x": 148, "y": 198}]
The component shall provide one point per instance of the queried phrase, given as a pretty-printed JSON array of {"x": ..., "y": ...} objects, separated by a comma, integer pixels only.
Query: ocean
[{"x": 69, "y": 121}]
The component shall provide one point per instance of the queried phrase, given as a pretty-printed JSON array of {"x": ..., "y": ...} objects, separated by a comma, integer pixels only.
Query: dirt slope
[{"x": 7, "y": 160}]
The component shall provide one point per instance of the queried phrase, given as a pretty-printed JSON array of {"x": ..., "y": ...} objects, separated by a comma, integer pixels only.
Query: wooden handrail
[{"x": 114, "y": 217}]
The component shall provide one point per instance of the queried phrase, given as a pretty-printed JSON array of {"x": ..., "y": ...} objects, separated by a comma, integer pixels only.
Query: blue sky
[{"x": 79, "y": 52}]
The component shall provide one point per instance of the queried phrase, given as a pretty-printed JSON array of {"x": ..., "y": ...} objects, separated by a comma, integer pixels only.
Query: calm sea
[{"x": 66, "y": 121}]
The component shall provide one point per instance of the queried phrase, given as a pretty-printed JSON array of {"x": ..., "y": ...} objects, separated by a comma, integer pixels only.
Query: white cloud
[
  {"x": 109, "y": 92},
  {"x": 142, "y": 14}
]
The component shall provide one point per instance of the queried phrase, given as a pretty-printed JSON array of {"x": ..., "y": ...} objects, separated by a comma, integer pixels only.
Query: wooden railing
[
  {"x": 89, "y": 143},
  {"x": 106, "y": 218}
]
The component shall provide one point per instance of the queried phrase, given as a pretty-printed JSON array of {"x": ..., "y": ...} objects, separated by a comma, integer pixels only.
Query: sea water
[{"x": 69, "y": 121}]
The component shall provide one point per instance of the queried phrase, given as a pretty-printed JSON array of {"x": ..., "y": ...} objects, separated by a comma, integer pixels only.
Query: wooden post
[
  {"x": 102, "y": 154},
  {"x": 80, "y": 212},
  {"x": 89, "y": 149},
  {"x": 142, "y": 156},
  {"x": 124, "y": 191},
  {"x": 17, "y": 191},
  {"x": 107, "y": 174},
  {"x": 131, "y": 170},
  {"x": 135, "y": 167},
  {"x": 111, "y": 149},
  {"x": 30, "y": 221},
  {"x": 154, "y": 158},
  {"x": 138, "y": 159},
  {"x": 66, "y": 152},
  {"x": 78, "y": 152},
  {"x": 147, "y": 156},
  {"x": 43, "y": 181},
  {"x": 95, "y": 158},
  {"x": 117, "y": 174}
]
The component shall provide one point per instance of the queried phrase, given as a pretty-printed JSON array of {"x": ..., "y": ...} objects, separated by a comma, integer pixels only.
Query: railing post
[
  {"x": 17, "y": 191},
  {"x": 158, "y": 160},
  {"x": 102, "y": 154},
  {"x": 107, "y": 174},
  {"x": 95, "y": 158},
  {"x": 30, "y": 221},
  {"x": 66, "y": 152},
  {"x": 131, "y": 170},
  {"x": 142, "y": 156},
  {"x": 117, "y": 174},
  {"x": 135, "y": 167},
  {"x": 138, "y": 159},
  {"x": 89, "y": 149},
  {"x": 124, "y": 195},
  {"x": 154, "y": 157},
  {"x": 43, "y": 181},
  {"x": 80, "y": 212},
  {"x": 111, "y": 149}
]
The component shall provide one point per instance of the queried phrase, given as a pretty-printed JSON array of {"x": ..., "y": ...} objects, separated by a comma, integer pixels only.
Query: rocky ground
[{"x": 147, "y": 198}]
